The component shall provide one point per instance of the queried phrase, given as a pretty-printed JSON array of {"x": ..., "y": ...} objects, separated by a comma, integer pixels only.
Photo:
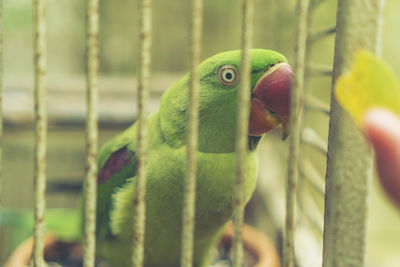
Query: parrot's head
[{"x": 271, "y": 79}]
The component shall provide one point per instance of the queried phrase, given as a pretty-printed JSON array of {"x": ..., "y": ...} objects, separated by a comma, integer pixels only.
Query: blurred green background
[{"x": 274, "y": 29}]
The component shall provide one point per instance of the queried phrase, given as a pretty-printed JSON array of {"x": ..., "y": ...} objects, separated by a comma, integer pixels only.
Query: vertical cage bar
[
  {"x": 349, "y": 166},
  {"x": 1, "y": 104},
  {"x": 1, "y": 118},
  {"x": 92, "y": 48},
  {"x": 295, "y": 128},
  {"x": 192, "y": 137},
  {"x": 143, "y": 88},
  {"x": 278, "y": 26},
  {"x": 39, "y": 7},
  {"x": 242, "y": 131}
]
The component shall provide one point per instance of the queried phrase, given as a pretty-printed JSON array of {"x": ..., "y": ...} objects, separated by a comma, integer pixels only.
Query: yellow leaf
[{"x": 371, "y": 83}]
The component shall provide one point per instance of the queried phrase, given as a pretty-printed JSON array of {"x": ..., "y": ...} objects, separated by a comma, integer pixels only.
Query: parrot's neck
[{"x": 217, "y": 122}]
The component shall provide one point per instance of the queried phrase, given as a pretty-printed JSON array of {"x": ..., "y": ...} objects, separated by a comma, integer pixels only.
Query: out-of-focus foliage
[
  {"x": 119, "y": 33},
  {"x": 119, "y": 26},
  {"x": 371, "y": 83}
]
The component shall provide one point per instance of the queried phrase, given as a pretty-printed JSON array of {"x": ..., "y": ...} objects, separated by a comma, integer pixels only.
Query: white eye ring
[{"x": 228, "y": 75}]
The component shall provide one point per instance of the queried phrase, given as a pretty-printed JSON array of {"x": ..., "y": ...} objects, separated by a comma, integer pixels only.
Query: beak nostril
[{"x": 269, "y": 67}]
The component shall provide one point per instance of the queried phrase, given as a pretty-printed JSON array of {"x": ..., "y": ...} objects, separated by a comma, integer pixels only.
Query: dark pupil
[{"x": 228, "y": 76}]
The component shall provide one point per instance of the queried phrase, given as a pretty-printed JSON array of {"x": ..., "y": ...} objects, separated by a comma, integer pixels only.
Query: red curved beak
[{"x": 270, "y": 103}]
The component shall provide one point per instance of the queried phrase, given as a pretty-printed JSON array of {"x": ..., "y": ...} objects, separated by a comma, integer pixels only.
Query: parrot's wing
[{"x": 117, "y": 163}]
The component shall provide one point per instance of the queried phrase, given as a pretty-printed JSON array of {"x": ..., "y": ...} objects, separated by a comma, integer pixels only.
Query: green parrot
[{"x": 271, "y": 80}]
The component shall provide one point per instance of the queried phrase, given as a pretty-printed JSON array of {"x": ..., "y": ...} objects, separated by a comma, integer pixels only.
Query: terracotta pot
[
  {"x": 54, "y": 250},
  {"x": 22, "y": 254},
  {"x": 259, "y": 249},
  {"x": 257, "y": 245}
]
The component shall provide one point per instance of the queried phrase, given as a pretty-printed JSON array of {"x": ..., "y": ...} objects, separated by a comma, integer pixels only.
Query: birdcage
[{"x": 321, "y": 223}]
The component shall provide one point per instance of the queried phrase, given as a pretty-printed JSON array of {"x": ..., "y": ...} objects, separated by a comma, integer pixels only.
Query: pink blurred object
[{"x": 382, "y": 129}]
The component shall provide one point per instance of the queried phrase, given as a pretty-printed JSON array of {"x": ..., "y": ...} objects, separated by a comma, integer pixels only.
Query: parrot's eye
[{"x": 228, "y": 75}]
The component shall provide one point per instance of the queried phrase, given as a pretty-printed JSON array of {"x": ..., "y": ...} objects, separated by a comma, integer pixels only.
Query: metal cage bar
[
  {"x": 349, "y": 167},
  {"x": 1, "y": 111},
  {"x": 295, "y": 122},
  {"x": 40, "y": 115},
  {"x": 192, "y": 139},
  {"x": 90, "y": 189},
  {"x": 309, "y": 178},
  {"x": 242, "y": 131},
  {"x": 143, "y": 88}
]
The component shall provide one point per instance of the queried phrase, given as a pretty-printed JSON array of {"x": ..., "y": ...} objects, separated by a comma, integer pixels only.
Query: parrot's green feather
[{"x": 166, "y": 168}]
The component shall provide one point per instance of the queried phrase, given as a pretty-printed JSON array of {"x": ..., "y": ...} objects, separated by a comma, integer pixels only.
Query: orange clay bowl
[{"x": 259, "y": 250}]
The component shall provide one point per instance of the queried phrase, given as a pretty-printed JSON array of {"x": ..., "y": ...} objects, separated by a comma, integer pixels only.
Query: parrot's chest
[{"x": 215, "y": 186}]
